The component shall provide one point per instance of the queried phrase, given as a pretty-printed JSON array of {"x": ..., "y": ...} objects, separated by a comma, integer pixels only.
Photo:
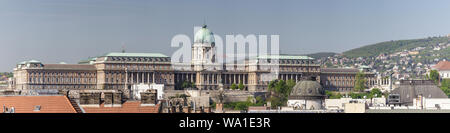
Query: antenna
[{"x": 204, "y": 21}]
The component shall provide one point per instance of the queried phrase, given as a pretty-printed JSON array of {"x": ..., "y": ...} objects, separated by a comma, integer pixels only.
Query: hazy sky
[{"x": 55, "y": 31}]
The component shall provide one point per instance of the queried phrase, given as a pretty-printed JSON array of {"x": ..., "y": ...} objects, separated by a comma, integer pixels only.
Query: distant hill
[
  {"x": 394, "y": 46},
  {"x": 321, "y": 55}
]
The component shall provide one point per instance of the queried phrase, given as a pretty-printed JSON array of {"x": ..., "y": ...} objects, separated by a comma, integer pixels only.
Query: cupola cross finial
[{"x": 204, "y": 22}]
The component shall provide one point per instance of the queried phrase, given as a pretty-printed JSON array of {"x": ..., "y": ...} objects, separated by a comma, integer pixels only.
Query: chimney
[
  {"x": 148, "y": 97},
  {"x": 90, "y": 98},
  {"x": 219, "y": 108},
  {"x": 109, "y": 99},
  {"x": 117, "y": 98},
  {"x": 113, "y": 99}
]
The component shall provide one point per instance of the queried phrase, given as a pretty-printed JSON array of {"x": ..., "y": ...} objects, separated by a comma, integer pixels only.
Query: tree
[
  {"x": 360, "y": 82},
  {"x": 241, "y": 105},
  {"x": 10, "y": 75},
  {"x": 332, "y": 95},
  {"x": 233, "y": 86},
  {"x": 376, "y": 91},
  {"x": 434, "y": 75},
  {"x": 290, "y": 84},
  {"x": 279, "y": 92},
  {"x": 187, "y": 84},
  {"x": 241, "y": 86},
  {"x": 259, "y": 101},
  {"x": 445, "y": 87}
]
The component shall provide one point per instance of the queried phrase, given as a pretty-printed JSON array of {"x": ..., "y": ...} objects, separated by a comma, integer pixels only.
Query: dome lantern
[{"x": 204, "y": 35}]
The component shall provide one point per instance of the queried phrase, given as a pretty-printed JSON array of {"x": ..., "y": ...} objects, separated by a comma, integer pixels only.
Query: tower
[
  {"x": 203, "y": 56},
  {"x": 203, "y": 50}
]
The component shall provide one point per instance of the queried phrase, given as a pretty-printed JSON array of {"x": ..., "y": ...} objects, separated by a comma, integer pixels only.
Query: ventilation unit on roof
[{"x": 37, "y": 108}]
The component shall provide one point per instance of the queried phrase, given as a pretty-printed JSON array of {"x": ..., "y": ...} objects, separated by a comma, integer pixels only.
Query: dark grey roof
[
  {"x": 307, "y": 89},
  {"x": 410, "y": 89}
]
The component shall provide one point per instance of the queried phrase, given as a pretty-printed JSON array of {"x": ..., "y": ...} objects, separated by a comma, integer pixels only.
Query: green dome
[
  {"x": 34, "y": 62},
  {"x": 204, "y": 36}
]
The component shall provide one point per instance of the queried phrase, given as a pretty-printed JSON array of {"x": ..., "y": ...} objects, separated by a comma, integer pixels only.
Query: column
[
  {"x": 132, "y": 77},
  {"x": 137, "y": 77},
  {"x": 143, "y": 77},
  {"x": 207, "y": 78},
  {"x": 153, "y": 78},
  {"x": 238, "y": 78},
  {"x": 219, "y": 80}
]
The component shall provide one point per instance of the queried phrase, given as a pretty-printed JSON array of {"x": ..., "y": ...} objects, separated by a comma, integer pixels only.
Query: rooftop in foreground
[
  {"x": 37, "y": 104},
  {"x": 126, "y": 107}
]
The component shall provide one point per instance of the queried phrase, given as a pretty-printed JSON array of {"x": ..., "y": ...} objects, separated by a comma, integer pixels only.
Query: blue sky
[{"x": 55, "y": 31}]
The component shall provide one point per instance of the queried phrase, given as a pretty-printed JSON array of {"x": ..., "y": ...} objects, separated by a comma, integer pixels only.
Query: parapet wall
[{"x": 230, "y": 95}]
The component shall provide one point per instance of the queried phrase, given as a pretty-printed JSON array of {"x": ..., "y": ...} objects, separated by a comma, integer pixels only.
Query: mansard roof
[
  {"x": 135, "y": 55},
  {"x": 69, "y": 66}
]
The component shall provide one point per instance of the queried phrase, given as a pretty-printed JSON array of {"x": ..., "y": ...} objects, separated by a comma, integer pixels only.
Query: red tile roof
[
  {"x": 26, "y": 104},
  {"x": 127, "y": 107},
  {"x": 443, "y": 65}
]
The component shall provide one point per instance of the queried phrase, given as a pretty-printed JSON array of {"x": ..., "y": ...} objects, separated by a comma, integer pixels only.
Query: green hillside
[
  {"x": 321, "y": 55},
  {"x": 394, "y": 46}
]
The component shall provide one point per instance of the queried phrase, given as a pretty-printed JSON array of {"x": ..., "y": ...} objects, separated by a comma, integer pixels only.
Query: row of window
[
  {"x": 119, "y": 78},
  {"x": 70, "y": 80},
  {"x": 290, "y": 61},
  {"x": 62, "y": 86},
  {"x": 345, "y": 83},
  {"x": 137, "y": 67},
  {"x": 339, "y": 83},
  {"x": 84, "y": 74},
  {"x": 340, "y": 77},
  {"x": 289, "y": 68}
]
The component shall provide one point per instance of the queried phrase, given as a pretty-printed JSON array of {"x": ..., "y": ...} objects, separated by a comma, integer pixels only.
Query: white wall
[
  {"x": 306, "y": 104},
  {"x": 138, "y": 88},
  {"x": 339, "y": 103},
  {"x": 430, "y": 103},
  {"x": 445, "y": 74}
]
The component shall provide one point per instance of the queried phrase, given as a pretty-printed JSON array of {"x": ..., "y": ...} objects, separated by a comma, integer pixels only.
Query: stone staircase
[{"x": 75, "y": 105}]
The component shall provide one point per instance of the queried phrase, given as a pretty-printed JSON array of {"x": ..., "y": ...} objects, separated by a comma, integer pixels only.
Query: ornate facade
[
  {"x": 119, "y": 71},
  {"x": 343, "y": 79}
]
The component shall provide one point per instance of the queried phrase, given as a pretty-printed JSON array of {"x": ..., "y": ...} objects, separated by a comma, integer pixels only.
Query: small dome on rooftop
[
  {"x": 307, "y": 89},
  {"x": 204, "y": 35}
]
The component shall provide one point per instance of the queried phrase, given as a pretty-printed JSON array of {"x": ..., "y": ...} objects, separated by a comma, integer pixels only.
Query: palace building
[
  {"x": 124, "y": 71},
  {"x": 343, "y": 79}
]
